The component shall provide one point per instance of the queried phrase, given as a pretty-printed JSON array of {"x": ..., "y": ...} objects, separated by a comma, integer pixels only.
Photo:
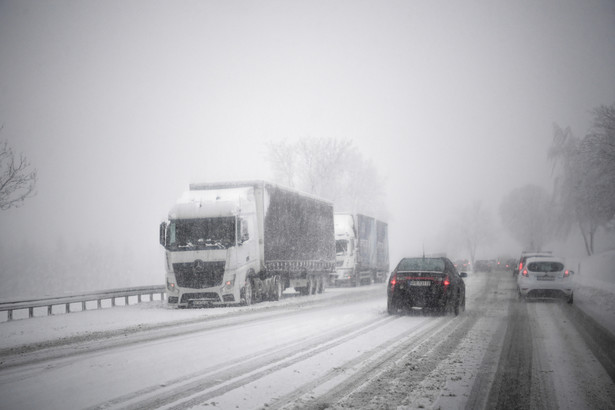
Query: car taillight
[
  {"x": 446, "y": 281},
  {"x": 393, "y": 281},
  {"x": 524, "y": 273},
  {"x": 566, "y": 273},
  {"x": 520, "y": 266}
]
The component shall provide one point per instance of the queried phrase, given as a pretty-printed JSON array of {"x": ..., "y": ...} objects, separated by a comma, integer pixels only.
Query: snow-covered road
[{"x": 336, "y": 350}]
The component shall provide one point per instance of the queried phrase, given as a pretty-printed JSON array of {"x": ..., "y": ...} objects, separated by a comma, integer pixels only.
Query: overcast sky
[{"x": 121, "y": 104}]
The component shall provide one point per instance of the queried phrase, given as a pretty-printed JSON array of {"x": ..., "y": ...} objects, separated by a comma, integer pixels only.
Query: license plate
[
  {"x": 201, "y": 302},
  {"x": 545, "y": 278},
  {"x": 419, "y": 283}
]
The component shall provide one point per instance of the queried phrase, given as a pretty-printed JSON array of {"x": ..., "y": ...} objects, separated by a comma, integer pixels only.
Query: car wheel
[
  {"x": 457, "y": 304},
  {"x": 571, "y": 299},
  {"x": 391, "y": 308}
]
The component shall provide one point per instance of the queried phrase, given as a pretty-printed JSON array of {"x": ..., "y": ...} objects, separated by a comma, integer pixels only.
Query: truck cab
[
  {"x": 345, "y": 251},
  {"x": 211, "y": 247}
]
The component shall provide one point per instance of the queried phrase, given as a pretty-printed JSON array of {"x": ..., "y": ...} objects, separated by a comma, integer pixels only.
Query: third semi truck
[{"x": 362, "y": 250}]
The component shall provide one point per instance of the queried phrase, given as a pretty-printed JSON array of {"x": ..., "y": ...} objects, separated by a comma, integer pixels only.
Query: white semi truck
[
  {"x": 362, "y": 250},
  {"x": 243, "y": 242}
]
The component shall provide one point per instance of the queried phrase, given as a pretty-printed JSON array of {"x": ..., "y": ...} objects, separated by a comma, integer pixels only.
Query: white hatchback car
[{"x": 545, "y": 277}]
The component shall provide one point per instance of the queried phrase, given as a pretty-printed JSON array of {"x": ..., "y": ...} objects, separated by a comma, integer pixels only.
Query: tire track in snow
[
  {"x": 206, "y": 384},
  {"x": 360, "y": 370}
]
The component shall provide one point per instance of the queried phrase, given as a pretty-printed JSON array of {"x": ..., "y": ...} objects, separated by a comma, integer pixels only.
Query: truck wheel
[
  {"x": 321, "y": 285},
  {"x": 247, "y": 294},
  {"x": 277, "y": 288},
  {"x": 310, "y": 285}
]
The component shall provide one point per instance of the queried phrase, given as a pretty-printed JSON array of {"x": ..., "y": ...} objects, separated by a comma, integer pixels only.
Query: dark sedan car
[{"x": 429, "y": 283}]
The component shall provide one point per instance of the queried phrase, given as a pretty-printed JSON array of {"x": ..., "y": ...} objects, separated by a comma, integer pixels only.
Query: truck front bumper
[
  {"x": 203, "y": 298},
  {"x": 342, "y": 277}
]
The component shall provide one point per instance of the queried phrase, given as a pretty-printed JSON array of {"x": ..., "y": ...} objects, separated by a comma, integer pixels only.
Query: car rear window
[
  {"x": 545, "y": 266},
  {"x": 422, "y": 264}
]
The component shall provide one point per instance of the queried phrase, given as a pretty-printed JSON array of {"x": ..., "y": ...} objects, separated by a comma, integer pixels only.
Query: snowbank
[{"x": 595, "y": 287}]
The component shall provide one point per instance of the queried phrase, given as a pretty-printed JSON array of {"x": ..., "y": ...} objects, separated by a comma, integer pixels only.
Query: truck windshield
[
  {"x": 341, "y": 246},
  {"x": 198, "y": 234}
]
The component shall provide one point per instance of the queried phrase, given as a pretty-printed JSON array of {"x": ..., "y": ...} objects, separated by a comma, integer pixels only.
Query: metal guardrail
[{"x": 83, "y": 298}]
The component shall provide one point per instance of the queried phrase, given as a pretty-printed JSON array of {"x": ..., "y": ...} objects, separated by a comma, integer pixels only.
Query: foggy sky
[{"x": 121, "y": 104}]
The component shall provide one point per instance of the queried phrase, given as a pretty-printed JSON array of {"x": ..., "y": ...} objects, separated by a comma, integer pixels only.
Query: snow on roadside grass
[{"x": 24, "y": 331}]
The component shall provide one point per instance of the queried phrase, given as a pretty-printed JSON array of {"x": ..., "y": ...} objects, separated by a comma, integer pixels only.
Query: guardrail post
[
  {"x": 83, "y": 306},
  {"x": 113, "y": 301},
  {"x": 49, "y": 310},
  {"x": 9, "y": 315},
  {"x": 30, "y": 312},
  {"x": 126, "y": 298},
  {"x": 139, "y": 298},
  {"x": 68, "y": 308},
  {"x": 99, "y": 304}
]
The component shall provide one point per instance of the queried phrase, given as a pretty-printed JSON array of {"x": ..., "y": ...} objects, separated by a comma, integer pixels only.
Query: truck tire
[
  {"x": 247, "y": 294},
  {"x": 320, "y": 288},
  {"x": 276, "y": 293},
  {"x": 311, "y": 286}
]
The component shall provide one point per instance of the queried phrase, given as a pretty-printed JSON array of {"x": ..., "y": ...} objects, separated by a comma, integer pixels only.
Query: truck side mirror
[{"x": 163, "y": 233}]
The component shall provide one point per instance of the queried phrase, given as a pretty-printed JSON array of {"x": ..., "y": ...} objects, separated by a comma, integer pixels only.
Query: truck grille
[
  {"x": 199, "y": 274},
  {"x": 209, "y": 296}
]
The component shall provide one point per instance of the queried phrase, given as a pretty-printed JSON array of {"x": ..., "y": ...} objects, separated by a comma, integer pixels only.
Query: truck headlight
[
  {"x": 228, "y": 285},
  {"x": 171, "y": 287}
]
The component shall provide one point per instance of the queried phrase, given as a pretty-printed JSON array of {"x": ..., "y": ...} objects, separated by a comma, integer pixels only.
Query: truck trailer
[
  {"x": 362, "y": 250},
  {"x": 232, "y": 243}
]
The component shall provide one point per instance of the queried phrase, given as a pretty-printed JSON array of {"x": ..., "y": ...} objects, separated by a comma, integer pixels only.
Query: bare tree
[
  {"x": 527, "y": 214},
  {"x": 17, "y": 179},
  {"x": 282, "y": 156},
  {"x": 584, "y": 174},
  {"x": 332, "y": 169},
  {"x": 472, "y": 228}
]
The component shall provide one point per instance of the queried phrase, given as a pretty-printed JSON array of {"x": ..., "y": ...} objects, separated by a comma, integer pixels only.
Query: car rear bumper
[
  {"x": 425, "y": 299},
  {"x": 553, "y": 290}
]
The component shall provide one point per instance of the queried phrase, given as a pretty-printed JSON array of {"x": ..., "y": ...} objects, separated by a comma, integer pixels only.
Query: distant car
[
  {"x": 462, "y": 265},
  {"x": 426, "y": 283},
  {"x": 483, "y": 266},
  {"x": 545, "y": 277},
  {"x": 503, "y": 264},
  {"x": 524, "y": 256}
]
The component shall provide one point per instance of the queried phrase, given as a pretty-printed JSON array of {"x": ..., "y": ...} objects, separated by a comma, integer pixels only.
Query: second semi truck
[{"x": 362, "y": 250}]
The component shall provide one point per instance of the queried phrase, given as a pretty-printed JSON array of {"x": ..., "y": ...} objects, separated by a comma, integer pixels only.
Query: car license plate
[
  {"x": 200, "y": 302},
  {"x": 419, "y": 283},
  {"x": 546, "y": 278}
]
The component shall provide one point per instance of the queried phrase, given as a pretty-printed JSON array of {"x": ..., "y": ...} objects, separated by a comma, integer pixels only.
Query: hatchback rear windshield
[
  {"x": 545, "y": 266},
  {"x": 421, "y": 264}
]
